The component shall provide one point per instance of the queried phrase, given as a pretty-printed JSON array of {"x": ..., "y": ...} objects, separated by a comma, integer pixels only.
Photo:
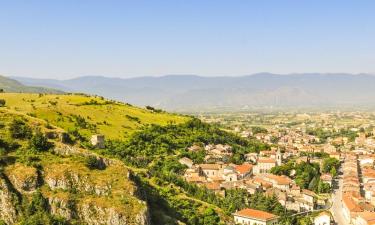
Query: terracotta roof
[
  {"x": 256, "y": 214},
  {"x": 369, "y": 217},
  {"x": 212, "y": 185},
  {"x": 279, "y": 179},
  {"x": 350, "y": 204},
  {"x": 244, "y": 168},
  {"x": 266, "y": 160}
]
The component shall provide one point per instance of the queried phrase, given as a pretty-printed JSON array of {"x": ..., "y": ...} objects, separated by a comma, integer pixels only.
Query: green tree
[
  {"x": 39, "y": 142},
  {"x": 210, "y": 217},
  {"x": 330, "y": 163},
  {"x": 333, "y": 172},
  {"x": 19, "y": 129}
]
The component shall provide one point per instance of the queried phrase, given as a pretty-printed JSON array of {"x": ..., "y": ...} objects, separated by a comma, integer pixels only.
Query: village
[{"x": 345, "y": 194}]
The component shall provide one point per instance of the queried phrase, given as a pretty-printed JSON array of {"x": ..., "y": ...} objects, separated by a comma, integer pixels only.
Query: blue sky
[{"x": 70, "y": 38}]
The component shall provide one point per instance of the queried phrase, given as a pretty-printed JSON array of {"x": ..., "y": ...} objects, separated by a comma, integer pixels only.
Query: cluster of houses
[
  {"x": 252, "y": 176},
  {"x": 357, "y": 191}
]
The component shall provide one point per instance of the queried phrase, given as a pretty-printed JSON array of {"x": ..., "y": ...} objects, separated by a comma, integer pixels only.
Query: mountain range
[
  {"x": 198, "y": 93},
  {"x": 11, "y": 85}
]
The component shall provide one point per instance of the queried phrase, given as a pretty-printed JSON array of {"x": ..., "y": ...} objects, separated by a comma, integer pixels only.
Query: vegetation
[
  {"x": 258, "y": 130},
  {"x": 88, "y": 115},
  {"x": 37, "y": 212},
  {"x": 19, "y": 129},
  {"x": 39, "y": 142},
  {"x": 331, "y": 165},
  {"x": 156, "y": 141},
  {"x": 306, "y": 175}
]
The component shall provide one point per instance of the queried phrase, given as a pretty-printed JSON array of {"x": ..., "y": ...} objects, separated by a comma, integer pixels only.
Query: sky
[{"x": 71, "y": 38}]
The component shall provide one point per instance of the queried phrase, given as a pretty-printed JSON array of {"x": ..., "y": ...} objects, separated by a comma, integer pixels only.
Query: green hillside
[
  {"x": 40, "y": 184},
  {"x": 10, "y": 85},
  {"x": 86, "y": 115}
]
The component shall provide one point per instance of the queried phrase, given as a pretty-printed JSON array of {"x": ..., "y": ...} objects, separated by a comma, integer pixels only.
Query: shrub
[
  {"x": 93, "y": 163},
  {"x": 39, "y": 142},
  {"x": 19, "y": 129}
]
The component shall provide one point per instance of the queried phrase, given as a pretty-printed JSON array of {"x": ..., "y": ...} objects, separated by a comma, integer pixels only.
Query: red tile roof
[
  {"x": 244, "y": 168},
  {"x": 256, "y": 214}
]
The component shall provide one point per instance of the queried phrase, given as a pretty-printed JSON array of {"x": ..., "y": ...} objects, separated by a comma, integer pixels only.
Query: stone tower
[{"x": 279, "y": 157}]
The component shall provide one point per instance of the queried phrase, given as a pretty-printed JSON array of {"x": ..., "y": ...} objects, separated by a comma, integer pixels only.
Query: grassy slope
[
  {"x": 114, "y": 120},
  {"x": 121, "y": 197},
  {"x": 10, "y": 85}
]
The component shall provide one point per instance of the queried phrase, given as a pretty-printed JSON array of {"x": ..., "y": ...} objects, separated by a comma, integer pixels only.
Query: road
[{"x": 337, "y": 209}]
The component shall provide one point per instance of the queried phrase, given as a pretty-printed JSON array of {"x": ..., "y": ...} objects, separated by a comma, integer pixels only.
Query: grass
[
  {"x": 120, "y": 195},
  {"x": 113, "y": 119}
]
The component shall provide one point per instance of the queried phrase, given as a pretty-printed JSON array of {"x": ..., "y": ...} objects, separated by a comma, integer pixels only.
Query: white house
[
  {"x": 324, "y": 218},
  {"x": 251, "y": 217},
  {"x": 264, "y": 165}
]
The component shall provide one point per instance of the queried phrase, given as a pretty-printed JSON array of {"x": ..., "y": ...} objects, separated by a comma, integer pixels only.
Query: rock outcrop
[
  {"x": 8, "y": 202},
  {"x": 23, "y": 178}
]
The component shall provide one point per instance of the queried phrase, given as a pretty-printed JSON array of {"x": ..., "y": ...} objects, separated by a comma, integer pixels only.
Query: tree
[
  {"x": 323, "y": 187},
  {"x": 92, "y": 163},
  {"x": 333, "y": 172},
  {"x": 39, "y": 142},
  {"x": 19, "y": 129},
  {"x": 330, "y": 163},
  {"x": 210, "y": 217}
]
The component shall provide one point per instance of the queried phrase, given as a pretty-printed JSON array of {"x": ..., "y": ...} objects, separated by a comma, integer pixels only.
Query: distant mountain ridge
[
  {"x": 197, "y": 93},
  {"x": 11, "y": 85}
]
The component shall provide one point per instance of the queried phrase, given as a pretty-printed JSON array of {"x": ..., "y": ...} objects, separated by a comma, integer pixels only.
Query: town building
[{"x": 253, "y": 216}]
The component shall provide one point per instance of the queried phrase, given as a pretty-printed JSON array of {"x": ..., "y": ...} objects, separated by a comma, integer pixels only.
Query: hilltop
[
  {"x": 10, "y": 85},
  {"x": 87, "y": 115},
  {"x": 45, "y": 181},
  {"x": 198, "y": 93},
  {"x": 72, "y": 182}
]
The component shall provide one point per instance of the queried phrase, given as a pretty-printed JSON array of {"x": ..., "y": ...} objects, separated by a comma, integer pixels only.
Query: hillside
[
  {"x": 10, "y": 85},
  {"x": 47, "y": 179},
  {"x": 87, "y": 115},
  {"x": 196, "y": 93},
  {"x": 59, "y": 177},
  {"x": 44, "y": 181}
]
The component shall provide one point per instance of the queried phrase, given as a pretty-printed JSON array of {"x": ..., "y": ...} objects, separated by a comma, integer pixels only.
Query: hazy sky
[{"x": 62, "y": 39}]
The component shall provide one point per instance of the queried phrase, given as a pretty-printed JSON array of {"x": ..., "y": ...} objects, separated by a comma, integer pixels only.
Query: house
[
  {"x": 210, "y": 170},
  {"x": 324, "y": 218},
  {"x": 364, "y": 218},
  {"x": 229, "y": 174},
  {"x": 244, "y": 170},
  {"x": 279, "y": 182},
  {"x": 97, "y": 141},
  {"x": 350, "y": 207},
  {"x": 264, "y": 165},
  {"x": 194, "y": 148},
  {"x": 186, "y": 161},
  {"x": 251, "y": 216}
]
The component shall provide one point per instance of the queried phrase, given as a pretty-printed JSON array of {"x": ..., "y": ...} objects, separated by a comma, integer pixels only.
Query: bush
[
  {"x": 93, "y": 163},
  {"x": 39, "y": 142},
  {"x": 2, "y": 102},
  {"x": 19, "y": 129}
]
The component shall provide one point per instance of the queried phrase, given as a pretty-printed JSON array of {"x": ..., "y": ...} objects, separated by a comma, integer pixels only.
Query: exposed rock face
[
  {"x": 74, "y": 181},
  {"x": 92, "y": 214},
  {"x": 106, "y": 195},
  {"x": 61, "y": 207},
  {"x": 8, "y": 201},
  {"x": 23, "y": 178}
]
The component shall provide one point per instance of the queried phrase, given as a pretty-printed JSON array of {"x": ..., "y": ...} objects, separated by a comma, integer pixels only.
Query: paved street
[{"x": 336, "y": 209}]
